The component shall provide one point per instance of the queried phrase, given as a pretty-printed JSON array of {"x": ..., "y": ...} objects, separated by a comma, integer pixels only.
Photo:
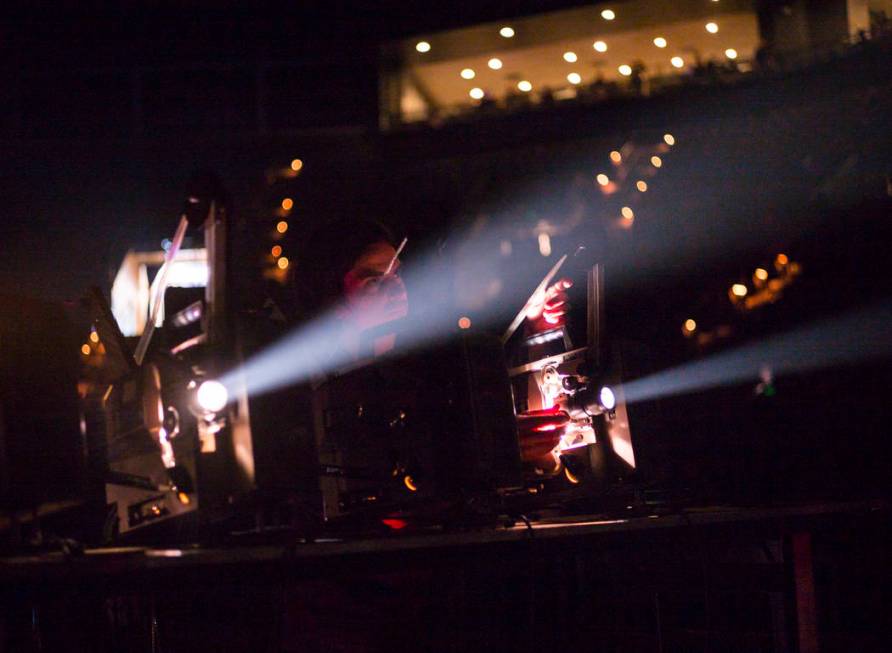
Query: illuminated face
[{"x": 371, "y": 296}]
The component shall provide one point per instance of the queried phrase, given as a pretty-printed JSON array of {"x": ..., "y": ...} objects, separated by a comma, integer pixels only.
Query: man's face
[{"x": 372, "y": 296}]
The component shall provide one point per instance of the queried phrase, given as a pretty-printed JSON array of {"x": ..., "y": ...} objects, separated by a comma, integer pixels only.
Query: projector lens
[{"x": 212, "y": 396}]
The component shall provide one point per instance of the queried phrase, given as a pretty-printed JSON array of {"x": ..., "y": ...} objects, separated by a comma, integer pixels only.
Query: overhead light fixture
[
  {"x": 641, "y": 185},
  {"x": 506, "y": 32},
  {"x": 476, "y": 93},
  {"x": 570, "y": 57},
  {"x": 660, "y": 42},
  {"x": 524, "y": 85},
  {"x": 468, "y": 73},
  {"x": 627, "y": 212},
  {"x": 739, "y": 290},
  {"x": 616, "y": 157},
  {"x": 494, "y": 63},
  {"x": 574, "y": 78},
  {"x": 608, "y": 14},
  {"x": 603, "y": 179},
  {"x": 296, "y": 165},
  {"x": 677, "y": 62},
  {"x": 423, "y": 46},
  {"x": 712, "y": 28},
  {"x": 656, "y": 161},
  {"x": 669, "y": 139},
  {"x": 600, "y": 46},
  {"x": 625, "y": 70},
  {"x": 731, "y": 53}
]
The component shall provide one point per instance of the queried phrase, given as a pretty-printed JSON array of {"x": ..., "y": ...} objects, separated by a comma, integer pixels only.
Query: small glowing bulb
[
  {"x": 212, "y": 396},
  {"x": 627, "y": 212},
  {"x": 660, "y": 42},
  {"x": 544, "y": 244},
  {"x": 677, "y": 62},
  {"x": 506, "y": 32},
  {"x": 738, "y": 290},
  {"x": 656, "y": 161},
  {"x": 782, "y": 259},
  {"x": 641, "y": 185},
  {"x": 603, "y": 179},
  {"x": 287, "y": 203},
  {"x": 761, "y": 274},
  {"x": 669, "y": 139},
  {"x": 574, "y": 78},
  {"x": 276, "y": 251},
  {"x": 468, "y": 73},
  {"x": 690, "y": 325},
  {"x": 731, "y": 53},
  {"x": 476, "y": 93},
  {"x": 570, "y": 57},
  {"x": 600, "y": 46},
  {"x": 625, "y": 70},
  {"x": 712, "y": 28},
  {"x": 608, "y": 14},
  {"x": 409, "y": 482},
  {"x": 494, "y": 63},
  {"x": 616, "y": 157},
  {"x": 524, "y": 85},
  {"x": 464, "y": 323},
  {"x": 423, "y": 46},
  {"x": 282, "y": 227},
  {"x": 85, "y": 349},
  {"x": 296, "y": 165},
  {"x": 282, "y": 263},
  {"x": 607, "y": 398},
  {"x": 94, "y": 337}
]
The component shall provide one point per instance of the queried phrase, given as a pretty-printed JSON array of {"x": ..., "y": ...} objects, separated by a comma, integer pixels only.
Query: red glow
[
  {"x": 548, "y": 427},
  {"x": 395, "y": 524}
]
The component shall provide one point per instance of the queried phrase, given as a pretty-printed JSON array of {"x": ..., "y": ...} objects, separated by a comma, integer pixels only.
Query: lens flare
[{"x": 212, "y": 396}]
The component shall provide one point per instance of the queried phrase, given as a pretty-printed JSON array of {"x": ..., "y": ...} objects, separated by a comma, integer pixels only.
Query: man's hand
[{"x": 550, "y": 309}]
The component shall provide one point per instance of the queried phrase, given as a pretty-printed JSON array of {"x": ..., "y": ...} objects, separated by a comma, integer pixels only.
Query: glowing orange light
[
  {"x": 690, "y": 325},
  {"x": 616, "y": 157},
  {"x": 282, "y": 227},
  {"x": 85, "y": 350},
  {"x": 603, "y": 179},
  {"x": 738, "y": 290},
  {"x": 287, "y": 203},
  {"x": 669, "y": 139},
  {"x": 571, "y": 476},
  {"x": 409, "y": 482},
  {"x": 761, "y": 274},
  {"x": 464, "y": 323},
  {"x": 296, "y": 165},
  {"x": 276, "y": 251},
  {"x": 656, "y": 161},
  {"x": 782, "y": 259},
  {"x": 641, "y": 185},
  {"x": 184, "y": 498},
  {"x": 282, "y": 263},
  {"x": 94, "y": 337},
  {"x": 627, "y": 212}
]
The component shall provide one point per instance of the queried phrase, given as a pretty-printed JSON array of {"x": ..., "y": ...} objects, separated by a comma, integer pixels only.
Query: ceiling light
[
  {"x": 574, "y": 78},
  {"x": 669, "y": 139},
  {"x": 600, "y": 46},
  {"x": 423, "y": 46},
  {"x": 656, "y": 161},
  {"x": 712, "y": 28},
  {"x": 467, "y": 73},
  {"x": 494, "y": 63},
  {"x": 603, "y": 179},
  {"x": 641, "y": 185},
  {"x": 524, "y": 85},
  {"x": 506, "y": 32},
  {"x": 625, "y": 70},
  {"x": 608, "y": 14},
  {"x": 570, "y": 57},
  {"x": 678, "y": 62},
  {"x": 731, "y": 53},
  {"x": 616, "y": 157},
  {"x": 660, "y": 42},
  {"x": 476, "y": 93},
  {"x": 627, "y": 212}
]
